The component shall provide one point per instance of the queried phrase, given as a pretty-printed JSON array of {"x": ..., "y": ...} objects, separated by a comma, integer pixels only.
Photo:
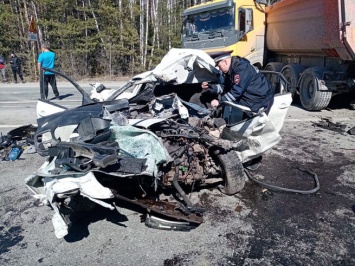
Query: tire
[
  {"x": 292, "y": 73},
  {"x": 274, "y": 66},
  {"x": 272, "y": 79},
  {"x": 313, "y": 91},
  {"x": 233, "y": 173}
]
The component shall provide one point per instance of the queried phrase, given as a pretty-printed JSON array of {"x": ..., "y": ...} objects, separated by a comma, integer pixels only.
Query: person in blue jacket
[
  {"x": 47, "y": 59},
  {"x": 243, "y": 83}
]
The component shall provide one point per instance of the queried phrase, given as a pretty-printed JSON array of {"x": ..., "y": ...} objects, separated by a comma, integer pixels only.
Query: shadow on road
[
  {"x": 81, "y": 221},
  {"x": 61, "y": 97}
]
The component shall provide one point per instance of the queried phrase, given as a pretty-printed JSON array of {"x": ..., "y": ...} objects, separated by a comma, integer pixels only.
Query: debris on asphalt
[
  {"x": 16, "y": 141},
  {"x": 265, "y": 194},
  {"x": 351, "y": 131},
  {"x": 326, "y": 123}
]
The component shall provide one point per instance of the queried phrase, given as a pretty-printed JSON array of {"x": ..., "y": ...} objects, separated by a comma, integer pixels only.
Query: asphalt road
[
  {"x": 22, "y": 98},
  {"x": 251, "y": 228}
]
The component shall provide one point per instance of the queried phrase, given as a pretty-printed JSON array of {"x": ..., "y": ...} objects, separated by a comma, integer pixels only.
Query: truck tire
[
  {"x": 292, "y": 73},
  {"x": 314, "y": 94},
  {"x": 233, "y": 173},
  {"x": 273, "y": 66}
]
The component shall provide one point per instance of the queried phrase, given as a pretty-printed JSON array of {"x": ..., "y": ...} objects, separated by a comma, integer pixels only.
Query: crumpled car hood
[{"x": 184, "y": 66}]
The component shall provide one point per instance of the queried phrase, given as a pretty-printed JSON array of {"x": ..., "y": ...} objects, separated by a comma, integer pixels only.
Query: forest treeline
[{"x": 92, "y": 37}]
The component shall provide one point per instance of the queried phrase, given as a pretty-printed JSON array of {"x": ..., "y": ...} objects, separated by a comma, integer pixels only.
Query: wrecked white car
[{"x": 153, "y": 135}]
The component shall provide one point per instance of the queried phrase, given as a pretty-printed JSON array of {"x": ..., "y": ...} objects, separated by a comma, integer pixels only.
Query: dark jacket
[
  {"x": 245, "y": 85},
  {"x": 15, "y": 62}
]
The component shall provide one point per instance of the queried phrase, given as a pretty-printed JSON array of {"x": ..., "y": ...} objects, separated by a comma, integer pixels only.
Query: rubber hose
[{"x": 288, "y": 189}]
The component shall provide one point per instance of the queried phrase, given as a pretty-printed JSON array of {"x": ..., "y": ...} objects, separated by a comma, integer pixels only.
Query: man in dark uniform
[
  {"x": 243, "y": 83},
  {"x": 16, "y": 67}
]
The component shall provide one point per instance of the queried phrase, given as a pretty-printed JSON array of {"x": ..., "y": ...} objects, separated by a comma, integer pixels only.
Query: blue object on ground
[{"x": 14, "y": 154}]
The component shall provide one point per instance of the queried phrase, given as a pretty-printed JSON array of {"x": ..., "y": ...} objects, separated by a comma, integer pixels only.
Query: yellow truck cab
[
  {"x": 225, "y": 25},
  {"x": 311, "y": 42}
]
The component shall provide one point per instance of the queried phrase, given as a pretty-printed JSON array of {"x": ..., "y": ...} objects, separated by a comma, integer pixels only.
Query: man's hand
[
  {"x": 215, "y": 103},
  {"x": 204, "y": 85}
]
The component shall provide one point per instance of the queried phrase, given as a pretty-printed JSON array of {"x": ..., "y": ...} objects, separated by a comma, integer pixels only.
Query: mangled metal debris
[
  {"x": 156, "y": 140},
  {"x": 326, "y": 123},
  {"x": 20, "y": 139},
  {"x": 351, "y": 131}
]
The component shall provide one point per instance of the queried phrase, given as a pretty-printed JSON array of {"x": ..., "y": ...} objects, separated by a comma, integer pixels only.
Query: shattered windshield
[{"x": 209, "y": 22}]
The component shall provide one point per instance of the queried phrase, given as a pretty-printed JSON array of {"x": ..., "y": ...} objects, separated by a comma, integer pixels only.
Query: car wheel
[{"x": 234, "y": 174}]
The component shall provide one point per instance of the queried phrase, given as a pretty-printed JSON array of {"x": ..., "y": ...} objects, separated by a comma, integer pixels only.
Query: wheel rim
[
  {"x": 308, "y": 88},
  {"x": 313, "y": 92}
]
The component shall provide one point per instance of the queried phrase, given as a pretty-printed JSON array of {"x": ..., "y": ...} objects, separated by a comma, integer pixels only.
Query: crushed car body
[{"x": 148, "y": 137}]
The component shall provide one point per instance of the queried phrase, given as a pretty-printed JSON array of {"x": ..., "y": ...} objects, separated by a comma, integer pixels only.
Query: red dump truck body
[
  {"x": 311, "y": 42},
  {"x": 312, "y": 27}
]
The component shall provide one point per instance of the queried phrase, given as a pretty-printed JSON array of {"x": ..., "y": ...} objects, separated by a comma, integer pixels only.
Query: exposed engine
[{"x": 192, "y": 160}]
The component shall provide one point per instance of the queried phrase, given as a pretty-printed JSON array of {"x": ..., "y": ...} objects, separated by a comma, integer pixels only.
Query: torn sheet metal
[
  {"x": 178, "y": 66},
  {"x": 162, "y": 139},
  {"x": 54, "y": 189},
  {"x": 326, "y": 123},
  {"x": 186, "y": 66}
]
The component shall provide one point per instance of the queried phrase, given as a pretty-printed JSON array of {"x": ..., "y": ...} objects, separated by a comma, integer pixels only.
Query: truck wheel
[
  {"x": 233, "y": 171},
  {"x": 274, "y": 66},
  {"x": 272, "y": 79},
  {"x": 314, "y": 94},
  {"x": 292, "y": 73}
]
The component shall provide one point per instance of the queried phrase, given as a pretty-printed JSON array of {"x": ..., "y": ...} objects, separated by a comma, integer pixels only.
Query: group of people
[
  {"x": 46, "y": 59},
  {"x": 242, "y": 82},
  {"x": 16, "y": 67}
]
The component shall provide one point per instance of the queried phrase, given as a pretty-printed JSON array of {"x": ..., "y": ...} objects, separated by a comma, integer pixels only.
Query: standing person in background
[
  {"x": 46, "y": 59},
  {"x": 2, "y": 69},
  {"x": 16, "y": 67}
]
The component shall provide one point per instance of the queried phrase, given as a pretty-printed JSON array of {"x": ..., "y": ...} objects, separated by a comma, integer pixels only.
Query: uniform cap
[{"x": 220, "y": 56}]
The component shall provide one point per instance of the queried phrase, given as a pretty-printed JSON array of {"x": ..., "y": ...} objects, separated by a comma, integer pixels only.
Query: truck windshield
[{"x": 208, "y": 22}]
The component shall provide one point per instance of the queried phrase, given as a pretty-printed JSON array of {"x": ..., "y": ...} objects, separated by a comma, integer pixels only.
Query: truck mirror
[{"x": 245, "y": 20}]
